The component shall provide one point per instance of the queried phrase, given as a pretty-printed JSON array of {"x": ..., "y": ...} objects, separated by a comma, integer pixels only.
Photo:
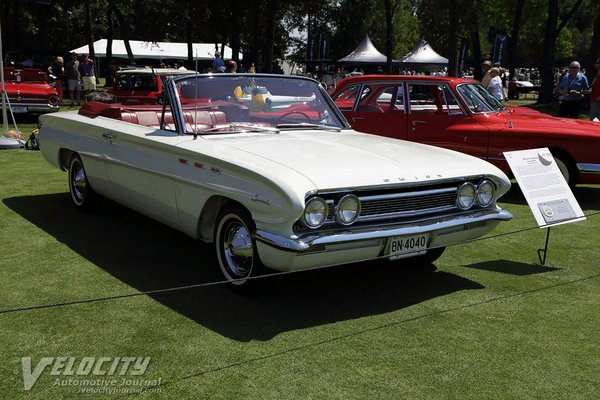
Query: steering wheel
[{"x": 291, "y": 113}]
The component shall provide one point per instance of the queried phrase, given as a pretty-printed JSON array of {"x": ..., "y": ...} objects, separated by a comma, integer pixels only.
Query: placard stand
[
  {"x": 548, "y": 195},
  {"x": 542, "y": 252}
]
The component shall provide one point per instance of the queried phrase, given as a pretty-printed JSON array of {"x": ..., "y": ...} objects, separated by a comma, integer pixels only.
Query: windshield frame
[
  {"x": 173, "y": 100},
  {"x": 493, "y": 105}
]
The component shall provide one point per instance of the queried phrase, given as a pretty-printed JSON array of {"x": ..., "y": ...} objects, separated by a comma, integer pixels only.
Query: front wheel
[
  {"x": 83, "y": 196},
  {"x": 235, "y": 247},
  {"x": 566, "y": 169}
]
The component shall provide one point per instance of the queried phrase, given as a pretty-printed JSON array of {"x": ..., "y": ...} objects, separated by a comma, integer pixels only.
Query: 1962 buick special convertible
[{"x": 267, "y": 169}]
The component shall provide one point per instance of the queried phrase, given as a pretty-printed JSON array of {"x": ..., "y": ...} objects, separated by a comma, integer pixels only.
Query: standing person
[
  {"x": 485, "y": 67},
  {"x": 218, "y": 65},
  {"x": 595, "y": 93},
  {"x": 88, "y": 75},
  {"x": 56, "y": 72},
  {"x": 495, "y": 84},
  {"x": 572, "y": 88},
  {"x": 74, "y": 79}
]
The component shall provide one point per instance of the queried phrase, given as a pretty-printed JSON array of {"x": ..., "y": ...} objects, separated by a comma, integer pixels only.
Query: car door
[
  {"x": 139, "y": 164},
  {"x": 435, "y": 117},
  {"x": 377, "y": 107}
]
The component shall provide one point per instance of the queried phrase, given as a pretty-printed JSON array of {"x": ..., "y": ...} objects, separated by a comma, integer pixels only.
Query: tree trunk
[
  {"x": 475, "y": 44},
  {"x": 270, "y": 30},
  {"x": 190, "y": 46},
  {"x": 125, "y": 32},
  {"x": 546, "y": 70},
  {"x": 594, "y": 46},
  {"x": 454, "y": 23},
  {"x": 109, "y": 41},
  {"x": 389, "y": 37},
  {"x": 513, "y": 41},
  {"x": 90, "y": 31},
  {"x": 550, "y": 36}
]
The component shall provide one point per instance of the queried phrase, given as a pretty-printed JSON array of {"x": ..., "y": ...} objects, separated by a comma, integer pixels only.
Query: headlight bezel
[
  {"x": 325, "y": 212},
  {"x": 473, "y": 197},
  {"x": 338, "y": 209},
  {"x": 492, "y": 193}
]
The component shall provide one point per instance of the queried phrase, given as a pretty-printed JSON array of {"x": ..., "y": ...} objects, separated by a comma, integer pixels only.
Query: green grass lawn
[{"x": 490, "y": 323}]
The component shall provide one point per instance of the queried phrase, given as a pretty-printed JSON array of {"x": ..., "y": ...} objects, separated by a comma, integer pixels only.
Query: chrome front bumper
[
  {"x": 35, "y": 107},
  {"x": 318, "y": 241}
]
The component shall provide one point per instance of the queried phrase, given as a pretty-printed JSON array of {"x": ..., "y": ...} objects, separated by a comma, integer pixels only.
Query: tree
[
  {"x": 390, "y": 10},
  {"x": 551, "y": 35}
]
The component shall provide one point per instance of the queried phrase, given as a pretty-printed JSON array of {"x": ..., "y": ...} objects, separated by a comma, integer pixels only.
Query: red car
[
  {"x": 459, "y": 114},
  {"x": 28, "y": 91},
  {"x": 141, "y": 85}
]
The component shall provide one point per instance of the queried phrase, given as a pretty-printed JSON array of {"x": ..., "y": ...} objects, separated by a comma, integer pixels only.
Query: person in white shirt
[{"x": 495, "y": 85}]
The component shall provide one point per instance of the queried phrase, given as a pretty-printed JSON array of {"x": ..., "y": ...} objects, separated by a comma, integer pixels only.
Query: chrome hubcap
[
  {"x": 78, "y": 182},
  {"x": 238, "y": 249}
]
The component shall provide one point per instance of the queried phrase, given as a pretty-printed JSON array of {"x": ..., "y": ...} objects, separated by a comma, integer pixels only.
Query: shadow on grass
[
  {"x": 512, "y": 267},
  {"x": 147, "y": 255}
]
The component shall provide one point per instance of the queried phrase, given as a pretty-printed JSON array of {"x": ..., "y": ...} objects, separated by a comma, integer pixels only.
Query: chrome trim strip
[
  {"x": 310, "y": 241},
  {"x": 589, "y": 168},
  {"x": 405, "y": 184},
  {"x": 401, "y": 195},
  {"x": 400, "y": 214}
]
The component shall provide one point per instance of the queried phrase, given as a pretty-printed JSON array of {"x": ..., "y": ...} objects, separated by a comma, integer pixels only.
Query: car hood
[
  {"x": 41, "y": 89},
  {"x": 350, "y": 159},
  {"x": 544, "y": 123}
]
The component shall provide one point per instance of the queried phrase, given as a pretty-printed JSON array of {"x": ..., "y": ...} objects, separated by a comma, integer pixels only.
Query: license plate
[
  {"x": 19, "y": 109},
  {"x": 407, "y": 246}
]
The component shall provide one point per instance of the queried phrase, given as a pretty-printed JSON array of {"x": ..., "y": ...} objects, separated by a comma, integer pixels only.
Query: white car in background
[{"x": 283, "y": 185}]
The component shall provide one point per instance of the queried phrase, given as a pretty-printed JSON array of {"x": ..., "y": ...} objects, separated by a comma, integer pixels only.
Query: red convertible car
[
  {"x": 28, "y": 91},
  {"x": 142, "y": 85},
  {"x": 459, "y": 114}
]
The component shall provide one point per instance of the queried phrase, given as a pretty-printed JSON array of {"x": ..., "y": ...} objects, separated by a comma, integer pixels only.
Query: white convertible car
[{"x": 282, "y": 185}]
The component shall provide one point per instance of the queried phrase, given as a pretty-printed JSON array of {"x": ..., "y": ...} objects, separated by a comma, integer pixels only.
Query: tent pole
[{"x": 3, "y": 92}]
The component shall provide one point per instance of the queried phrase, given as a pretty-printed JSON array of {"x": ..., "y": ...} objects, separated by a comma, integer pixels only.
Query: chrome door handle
[
  {"x": 354, "y": 119},
  {"x": 414, "y": 123}
]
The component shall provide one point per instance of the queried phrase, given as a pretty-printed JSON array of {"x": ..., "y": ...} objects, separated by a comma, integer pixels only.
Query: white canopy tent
[
  {"x": 423, "y": 54},
  {"x": 156, "y": 50},
  {"x": 365, "y": 53}
]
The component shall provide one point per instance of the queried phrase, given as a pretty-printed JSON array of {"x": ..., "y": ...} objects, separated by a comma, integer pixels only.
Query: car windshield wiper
[
  {"x": 236, "y": 128},
  {"x": 306, "y": 125}
]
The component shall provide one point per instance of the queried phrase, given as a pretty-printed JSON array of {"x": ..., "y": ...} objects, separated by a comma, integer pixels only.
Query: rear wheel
[
  {"x": 83, "y": 196},
  {"x": 235, "y": 247}
]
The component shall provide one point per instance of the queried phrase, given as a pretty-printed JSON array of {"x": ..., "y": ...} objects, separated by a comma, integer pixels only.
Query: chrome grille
[
  {"x": 399, "y": 203},
  {"x": 410, "y": 203}
]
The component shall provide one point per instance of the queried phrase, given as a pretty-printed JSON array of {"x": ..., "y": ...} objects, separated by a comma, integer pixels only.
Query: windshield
[
  {"x": 226, "y": 103},
  {"x": 478, "y": 99}
]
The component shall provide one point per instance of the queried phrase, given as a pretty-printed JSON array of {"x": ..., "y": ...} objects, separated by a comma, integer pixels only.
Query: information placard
[{"x": 549, "y": 196}]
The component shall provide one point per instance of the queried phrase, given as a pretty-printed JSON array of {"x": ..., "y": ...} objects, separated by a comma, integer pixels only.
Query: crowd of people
[{"x": 571, "y": 87}]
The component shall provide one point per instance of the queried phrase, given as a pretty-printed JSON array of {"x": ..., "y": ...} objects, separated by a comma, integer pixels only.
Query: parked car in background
[
  {"x": 142, "y": 85},
  {"x": 267, "y": 169},
  {"x": 460, "y": 114},
  {"x": 28, "y": 91}
]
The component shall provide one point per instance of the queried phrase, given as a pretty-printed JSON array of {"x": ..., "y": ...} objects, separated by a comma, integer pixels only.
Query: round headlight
[
  {"x": 347, "y": 209},
  {"x": 466, "y": 196},
  {"x": 315, "y": 212},
  {"x": 485, "y": 193},
  {"x": 53, "y": 100}
]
